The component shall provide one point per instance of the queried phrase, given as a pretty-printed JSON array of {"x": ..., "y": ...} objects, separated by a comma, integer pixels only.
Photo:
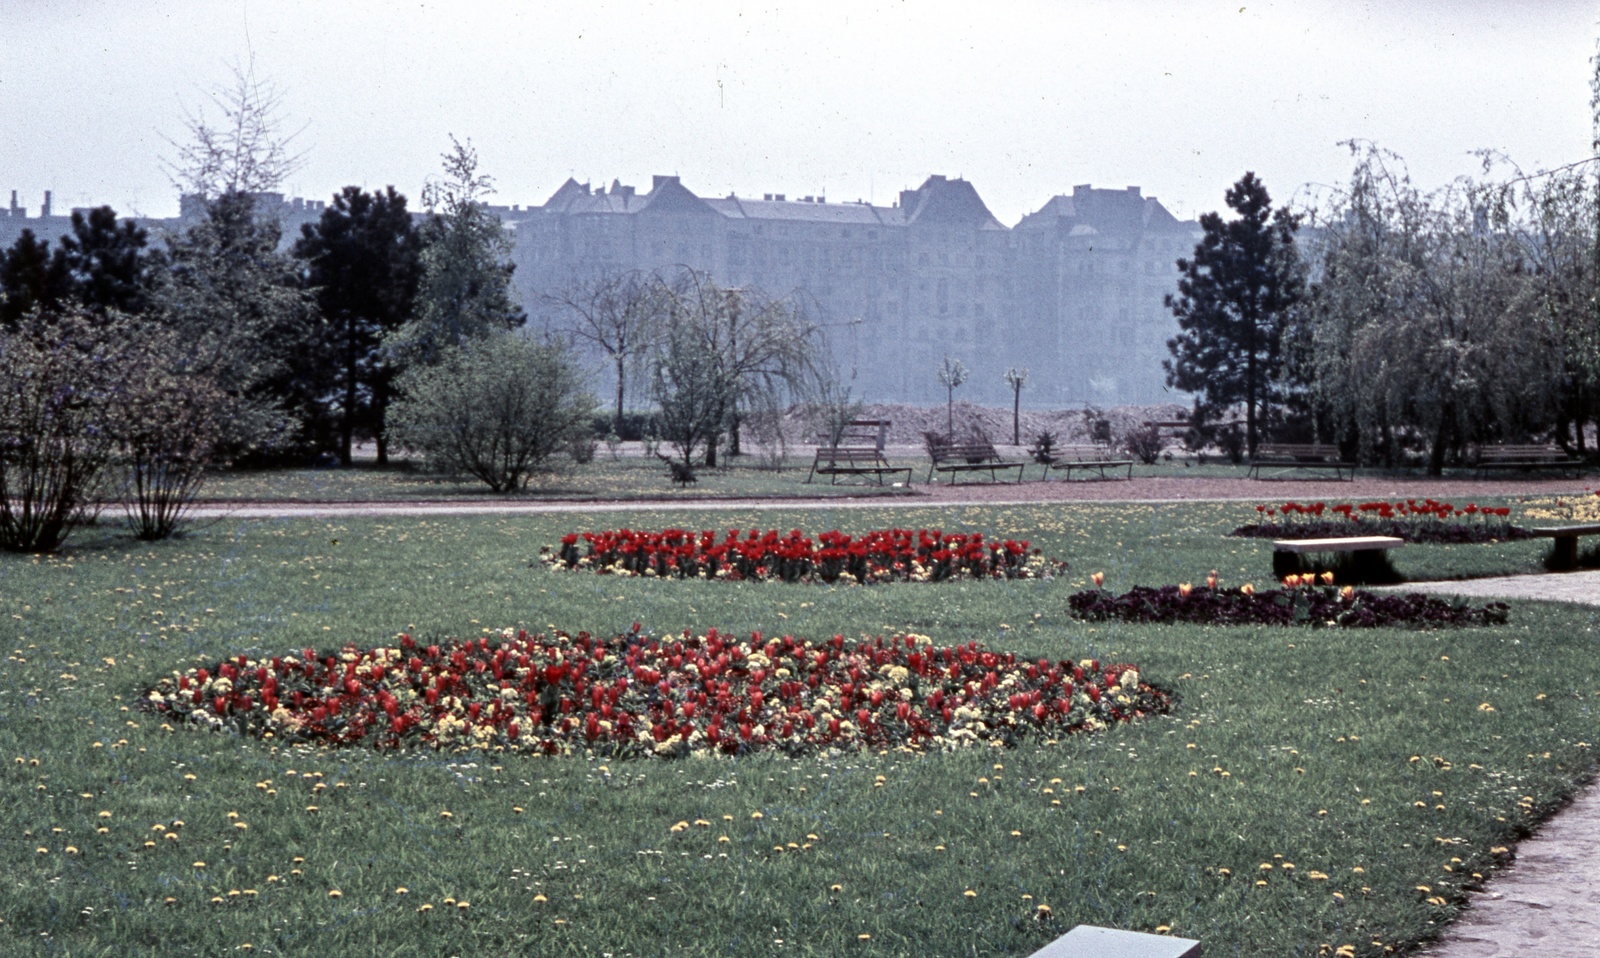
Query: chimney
[
  {"x": 14, "y": 209},
  {"x": 45, "y": 209}
]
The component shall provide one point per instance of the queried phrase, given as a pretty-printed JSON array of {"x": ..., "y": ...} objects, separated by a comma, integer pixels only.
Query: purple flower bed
[
  {"x": 1435, "y": 532},
  {"x": 1312, "y": 606}
]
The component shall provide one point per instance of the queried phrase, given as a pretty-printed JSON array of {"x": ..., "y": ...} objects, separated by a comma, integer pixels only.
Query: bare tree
[
  {"x": 617, "y": 314},
  {"x": 244, "y": 150}
]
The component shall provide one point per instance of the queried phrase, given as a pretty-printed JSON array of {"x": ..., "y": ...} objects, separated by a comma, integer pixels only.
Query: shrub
[
  {"x": 65, "y": 379},
  {"x": 1144, "y": 443},
  {"x": 171, "y": 425},
  {"x": 1042, "y": 449},
  {"x": 496, "y": 408}
]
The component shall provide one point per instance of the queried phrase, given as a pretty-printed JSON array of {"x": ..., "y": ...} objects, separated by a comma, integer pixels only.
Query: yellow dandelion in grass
[
  {"x": 1042, "y": 912},
  {"x": 71, "y": 849},
  {"x": 424, "y": 908},
  {"x": 42, "y": 850},
  {"x": 723, "y": 839},
  {"x": 970, "y": 893},
  {"x": 402, "y": 890},
  {"x": 218, "y": 900},
  {"x": 727, "y": 818},
  {"x": 335, "y": 893},
  {"x": 241, "y": 826},
  {"x": 105, "y": 814},
  {"x": 1015, "y": 833},
  {"x": 863, "y": 937},
  {"x": 812, "y": 838},
  {"x": 169, "y": 900},
  {"x": 447, "y": 814},
  {"x": 701, "y": 823},
  {"x": 836, "y": 889},
  {"x": 757, "y": 816},
  {"x": 1163, "y": 929},
  {"x": 539, "y": 899},
  {"x": 449, "y": 900},
  {"x": 463, "y": 905},
  {"x": 250, "y": 893},
  {"x": 681, "y": 826},
  {"x": 199, "y": 864},
  {"x": 516, "y": 809}
]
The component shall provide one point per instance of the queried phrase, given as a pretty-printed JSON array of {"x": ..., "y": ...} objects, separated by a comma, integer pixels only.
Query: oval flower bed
[
  {"x": 1413, "y": 521},
  {"x": 883, "y": 555},
  {"x": 1298, "y": 603},
  {"x": 638, "y": 695}
]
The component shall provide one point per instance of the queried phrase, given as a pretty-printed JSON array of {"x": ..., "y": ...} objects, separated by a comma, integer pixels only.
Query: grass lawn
[{"x": 1385, "y": 767}]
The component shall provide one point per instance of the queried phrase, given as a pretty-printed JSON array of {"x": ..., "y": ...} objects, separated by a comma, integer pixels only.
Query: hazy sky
[{"x": 852, "y": 99}]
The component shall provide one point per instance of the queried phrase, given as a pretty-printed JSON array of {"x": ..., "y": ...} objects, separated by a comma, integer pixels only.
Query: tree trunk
[
  {"x": 711, "y": 453},
  {"x": 347, "y": 426},
  {"x": 1441, "y": 439},
  {"x": 616, "y": 423}
]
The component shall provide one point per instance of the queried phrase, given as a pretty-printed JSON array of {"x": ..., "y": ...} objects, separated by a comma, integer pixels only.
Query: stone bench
[
  {"x": 1090, "y": 941},
  {"x": 1369, "y": 555},
  {"x": 1564, "y": 554}
]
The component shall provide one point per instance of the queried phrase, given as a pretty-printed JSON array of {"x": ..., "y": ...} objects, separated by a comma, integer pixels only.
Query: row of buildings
[{"x": 1074, "y": 292}]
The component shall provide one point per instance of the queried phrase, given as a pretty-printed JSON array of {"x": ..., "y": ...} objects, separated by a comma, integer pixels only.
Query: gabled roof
[
  {"x": 667, "y": 195},
  {"x": 845, "y": 214},
  {"x": 946, "y": 202},
  {"x": 1103, "y": 211}
]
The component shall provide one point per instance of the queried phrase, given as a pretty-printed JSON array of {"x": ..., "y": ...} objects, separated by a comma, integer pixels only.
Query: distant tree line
[{"x": 1407, "y": 326}]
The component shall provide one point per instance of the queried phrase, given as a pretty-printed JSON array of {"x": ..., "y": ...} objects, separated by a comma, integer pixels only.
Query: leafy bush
[
  {"x": 496, "y": 408},
  {"x": 1042, "y": 447},
  {"x": 1144, "y": 443}
]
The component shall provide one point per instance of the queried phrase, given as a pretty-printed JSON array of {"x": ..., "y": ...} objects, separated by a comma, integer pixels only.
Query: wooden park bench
[
  {"x": 1368, "y": 562},
  {"x": 1525, "y": 458},
  {"x": 1564, "y": 554},
  {"x": 864, "y": 461},
  {"x": 956, "y": 458},
  {"x": 1085, "y": 458},
  {"x": 1290, "y": 456}
]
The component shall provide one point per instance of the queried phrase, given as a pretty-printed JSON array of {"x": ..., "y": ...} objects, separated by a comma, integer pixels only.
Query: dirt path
[{"x": 1162, "y": 489}]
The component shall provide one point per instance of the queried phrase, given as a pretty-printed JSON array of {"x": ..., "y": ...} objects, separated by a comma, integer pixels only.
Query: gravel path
[
  {"x": 1158, "y": 489},
  {"x": 1545, "y": 905}
]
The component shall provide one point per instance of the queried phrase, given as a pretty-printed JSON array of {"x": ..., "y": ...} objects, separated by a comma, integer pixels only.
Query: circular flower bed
[
  {"x": 639, "y": 695},
  {"x": 883, "y": 555},
  {"x": 1296, "y": 604},
  {"x": 1426, "y": 521}
]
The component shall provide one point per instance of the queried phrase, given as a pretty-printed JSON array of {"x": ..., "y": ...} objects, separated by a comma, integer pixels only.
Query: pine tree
[
  {"x": 363, "y": 261},
  {"x": 1232, "y": 305}
]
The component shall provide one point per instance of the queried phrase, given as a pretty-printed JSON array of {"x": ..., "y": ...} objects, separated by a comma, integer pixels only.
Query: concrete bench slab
[
  {"x": 1564, "y": 554},
  {"x": 1342, "y": 544},
  {"x": 1368, "y": 557},
  {"x": 1091, "y": 941}
]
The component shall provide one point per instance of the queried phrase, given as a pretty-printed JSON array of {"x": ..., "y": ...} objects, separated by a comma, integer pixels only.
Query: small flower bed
[
  {"x": 883, "y": 555},
  {"x": 1299, "y": 602},
  {"x": 1426, "y": 521},
  {"x": 639, "y": 695}
]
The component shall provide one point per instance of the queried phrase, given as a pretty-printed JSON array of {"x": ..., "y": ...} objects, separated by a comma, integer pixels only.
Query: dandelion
[{"x": 970, "y": 893}]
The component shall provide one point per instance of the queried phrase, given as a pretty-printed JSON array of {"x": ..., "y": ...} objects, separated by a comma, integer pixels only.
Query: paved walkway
[{"x": 1547, "y": 905}]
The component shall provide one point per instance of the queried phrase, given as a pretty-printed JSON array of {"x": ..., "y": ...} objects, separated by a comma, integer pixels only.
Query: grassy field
[{"x": 1385, "y": 767}]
